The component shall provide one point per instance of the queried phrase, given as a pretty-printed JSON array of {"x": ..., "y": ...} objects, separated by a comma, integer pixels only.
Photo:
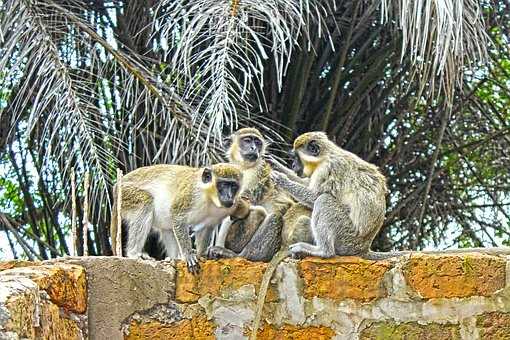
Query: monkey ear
[
  {"x": 227, "y": 142},
  {"x": 207, "y": 175}
]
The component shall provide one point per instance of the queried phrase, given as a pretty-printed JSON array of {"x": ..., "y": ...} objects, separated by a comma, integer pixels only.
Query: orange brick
[
  {"x": 196, "y": 329},
  {"x": 218, "y": 278},
  {"x": 343, "y": 278},
  {"x": 65, "y": 284},
  {"x": 495, "y": 325},
  {"x": 270, "y": 332},
  {"x": 455, "y": 275}
]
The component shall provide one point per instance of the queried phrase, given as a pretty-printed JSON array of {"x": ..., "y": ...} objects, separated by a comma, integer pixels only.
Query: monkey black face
[
  {"x": 297, "y": 165},
  {"x": 313, "y": 148},
  {"x": 227, "y": 191},
  {"x": 250, "y": 147},
  {"x": 207, "y": 175},
  {"x": 307, "y": 158}
]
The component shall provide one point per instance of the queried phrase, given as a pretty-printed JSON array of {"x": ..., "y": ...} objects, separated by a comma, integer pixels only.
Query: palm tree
[{"x": 96, "y": 85}]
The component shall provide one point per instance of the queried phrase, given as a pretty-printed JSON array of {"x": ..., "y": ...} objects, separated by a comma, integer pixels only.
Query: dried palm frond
[
  {"x": 219, "y": 49},
  {"x": 61, "y": 72},
  {"x": 440, "y": 38}
]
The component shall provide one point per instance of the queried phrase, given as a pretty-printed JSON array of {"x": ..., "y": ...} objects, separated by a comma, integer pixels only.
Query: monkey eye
[
  {"x": 313, "y": 148},
  {"x": 206, "y": 175},
  {"x": 247, "y": 139},
  {"x": 235, "y": 187},
  {"x": 257, "y": 141}
]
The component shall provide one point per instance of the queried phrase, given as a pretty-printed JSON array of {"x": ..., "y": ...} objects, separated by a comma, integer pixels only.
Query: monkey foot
[
  {"x": 216, "y": 252},
  {"x": 145, "y": 256},
  {"x": 296, "y": 251},
  {"x": 192, "y": 263}
]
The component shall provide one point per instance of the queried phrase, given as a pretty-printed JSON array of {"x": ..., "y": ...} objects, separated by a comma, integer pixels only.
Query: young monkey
[
  {"x": 252, "y": 239},
  {"x": 174, "y": 200}
]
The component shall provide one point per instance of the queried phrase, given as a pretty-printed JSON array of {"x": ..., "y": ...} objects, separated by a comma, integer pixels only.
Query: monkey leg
[
  {"x": 301, "y": 231},
  {"x": 326, "y": 221},
  {"x": 170, "y": 244},
  {"x": 266, "y": 241},
  {"x": 203, "y": 240},
  {"x": 139, "y": 226},
  {"x": 262, "y": 246},
  {"x": 185, "y": 247},
  {"x": 235, "y": 236}
]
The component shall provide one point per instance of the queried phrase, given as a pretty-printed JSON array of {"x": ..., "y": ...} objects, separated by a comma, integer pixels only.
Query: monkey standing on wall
[
  {"x": 346, "y": 194},
  {"x": 253, "y": 238},
  {"x": 174, "y": 200}
]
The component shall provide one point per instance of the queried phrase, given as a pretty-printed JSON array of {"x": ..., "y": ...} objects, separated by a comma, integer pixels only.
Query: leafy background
[{"x": 420, "y": 88}]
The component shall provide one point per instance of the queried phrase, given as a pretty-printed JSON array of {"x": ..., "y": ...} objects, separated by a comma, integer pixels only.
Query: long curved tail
[
  {"x": 264, "y": 286},
  {"x": 377, "y": 255}
]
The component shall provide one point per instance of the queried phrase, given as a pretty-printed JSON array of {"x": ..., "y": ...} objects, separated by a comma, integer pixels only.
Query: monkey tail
[
  {"x": 377, "y": 255},
  {"x": 264, "y": 285},
  {"x": 113, "y": 222}
]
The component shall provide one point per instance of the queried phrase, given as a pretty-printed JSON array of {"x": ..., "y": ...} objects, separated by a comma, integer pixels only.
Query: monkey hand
[
  {"x": 279, "y": 179},
  {"x": 192, "y": 262},
  {"x": 277, "y": 166},
  {"x": 217, "y": 252},
  {"x": 297, "y": 251}
]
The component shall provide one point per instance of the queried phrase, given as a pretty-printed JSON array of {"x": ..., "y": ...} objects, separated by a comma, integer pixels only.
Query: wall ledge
[{"x": 452, "y": 295}]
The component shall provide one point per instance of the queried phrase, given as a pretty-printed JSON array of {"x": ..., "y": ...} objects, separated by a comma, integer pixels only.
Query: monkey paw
[
  {"x": 145, "y": 256},
  {"x": 215, "y": 253},
  {"x": 297, "y": 250},
  {"x": 192, "y": 263},
  {"x": 276, "y": 166}
]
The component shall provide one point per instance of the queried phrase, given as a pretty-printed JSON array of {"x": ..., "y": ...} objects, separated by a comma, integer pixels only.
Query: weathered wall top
[{"x": 443, "y": 296}]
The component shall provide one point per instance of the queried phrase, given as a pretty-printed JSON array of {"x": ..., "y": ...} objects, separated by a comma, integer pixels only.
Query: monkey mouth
[
  {"x": 251, "y": 157},
  {"x": 227, "y": 204},
  {"x": 298, "y": 169}
]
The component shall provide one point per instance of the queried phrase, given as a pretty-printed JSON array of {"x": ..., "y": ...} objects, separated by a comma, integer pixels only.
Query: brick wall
[{"x": 444, "y": 296}]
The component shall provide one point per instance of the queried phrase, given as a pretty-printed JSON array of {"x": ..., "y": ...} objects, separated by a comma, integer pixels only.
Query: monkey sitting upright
[
  {"x": 174, "y": 200},
  {"x": 249, "y": 238},
  {"x": 346, "y": 193}
]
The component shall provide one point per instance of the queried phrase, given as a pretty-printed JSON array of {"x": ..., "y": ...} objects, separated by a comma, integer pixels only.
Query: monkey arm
[
  {"x": 224, "y": 229},
  {"x": 297, "y": 190},
  {"x": 291, "y": 174},
  {"x": 181, "y": 232}
]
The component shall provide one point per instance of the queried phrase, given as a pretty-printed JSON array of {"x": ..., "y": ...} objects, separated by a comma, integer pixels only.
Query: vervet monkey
[
  {"x": 346, "y": 194},
  {"x": 249, "y": 238},
  {"x": 174, "y": 200}
]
